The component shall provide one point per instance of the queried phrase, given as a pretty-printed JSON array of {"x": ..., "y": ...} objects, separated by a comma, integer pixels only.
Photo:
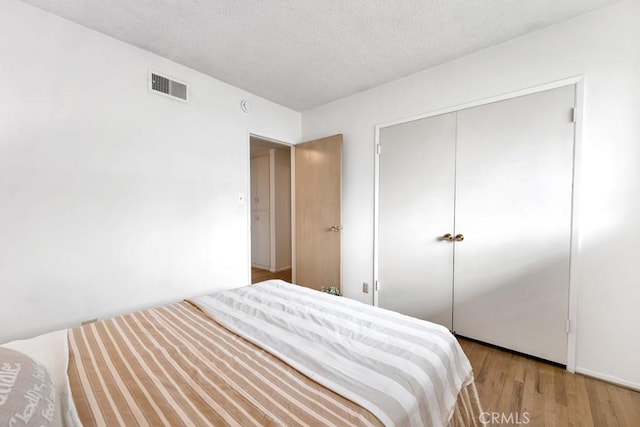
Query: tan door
[{"x": 318, "y": 212}]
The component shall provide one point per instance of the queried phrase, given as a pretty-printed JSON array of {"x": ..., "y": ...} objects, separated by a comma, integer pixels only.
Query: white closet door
[
  {"x": 416, "y": 186},
  {"x": 260, "y": 217},
  {"x": 260, "y": 182},
  {"x": 513, "y": 207},
  {"x": 260, "y": 240}
]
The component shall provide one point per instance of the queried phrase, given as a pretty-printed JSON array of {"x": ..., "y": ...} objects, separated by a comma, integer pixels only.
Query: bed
[{"x": 266, "y": 354}]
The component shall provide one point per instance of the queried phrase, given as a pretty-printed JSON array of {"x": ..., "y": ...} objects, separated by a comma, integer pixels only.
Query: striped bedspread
[
  {"x": 406, "y": 371},
  {"x": 174, "y": 366}
]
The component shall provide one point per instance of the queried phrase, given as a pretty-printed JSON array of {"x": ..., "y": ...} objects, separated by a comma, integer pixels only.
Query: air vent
[{"x": 165, "y": 86}]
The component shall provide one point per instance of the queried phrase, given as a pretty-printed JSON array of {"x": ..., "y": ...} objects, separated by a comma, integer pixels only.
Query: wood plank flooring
[
  {"x": 512, "y": 384},
  {"x": 550, "y": 396},
  {"x": 258, "y": 275}
]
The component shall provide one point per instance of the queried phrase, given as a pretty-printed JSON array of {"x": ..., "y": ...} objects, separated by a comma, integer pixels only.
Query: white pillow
[
  {"x": 51, "y": 351},
  {"x": 27, "y": 394}
]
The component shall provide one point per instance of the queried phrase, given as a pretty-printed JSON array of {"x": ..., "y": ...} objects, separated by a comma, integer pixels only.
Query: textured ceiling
[{"x": 304, "y": 53}]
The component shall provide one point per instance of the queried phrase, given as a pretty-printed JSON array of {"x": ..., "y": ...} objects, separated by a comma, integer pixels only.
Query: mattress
[
  {"x": 188, "y": 364},
  {"x": 174, "y": 366}
]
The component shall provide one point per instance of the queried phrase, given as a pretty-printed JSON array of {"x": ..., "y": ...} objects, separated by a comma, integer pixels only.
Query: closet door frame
[{"x": 578, "y": 81}]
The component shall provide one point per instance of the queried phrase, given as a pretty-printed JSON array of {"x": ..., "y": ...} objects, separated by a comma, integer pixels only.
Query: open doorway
[{"x": 270, "y": 182}]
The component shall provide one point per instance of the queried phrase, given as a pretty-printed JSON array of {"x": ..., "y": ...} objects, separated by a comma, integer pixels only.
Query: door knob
[
  {"x": 459, "y": 237},
  {"x": 335, "y": 228},
  {"x": 448, "y": 237}
]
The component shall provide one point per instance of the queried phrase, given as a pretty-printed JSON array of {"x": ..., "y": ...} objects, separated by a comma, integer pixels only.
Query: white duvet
[{"x": 406, "y": 371}]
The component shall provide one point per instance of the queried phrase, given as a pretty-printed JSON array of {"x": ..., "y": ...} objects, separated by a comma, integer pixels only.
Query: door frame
[
  {"x": 247, "y": 195},
  {"x": 574, "y": 248}
]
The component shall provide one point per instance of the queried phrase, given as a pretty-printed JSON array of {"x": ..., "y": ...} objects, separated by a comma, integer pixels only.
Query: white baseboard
[
  {"x": 609, "y": 378},
  {"x": 269, "y": 269},
  {"x": 261, "y": 267}
]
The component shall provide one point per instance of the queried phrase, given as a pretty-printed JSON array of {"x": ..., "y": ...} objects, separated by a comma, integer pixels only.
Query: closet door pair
[{"x": 474, "y": 221}]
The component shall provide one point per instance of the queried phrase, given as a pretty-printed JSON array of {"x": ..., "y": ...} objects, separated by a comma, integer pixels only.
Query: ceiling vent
[{"x": 165, "y": 86}]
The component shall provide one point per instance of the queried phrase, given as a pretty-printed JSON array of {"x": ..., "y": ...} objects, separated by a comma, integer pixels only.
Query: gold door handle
[
  {"x": 335, "y": 228},
  {"x": 448, "y": 237},
  {"x": 459, "y": 237}
]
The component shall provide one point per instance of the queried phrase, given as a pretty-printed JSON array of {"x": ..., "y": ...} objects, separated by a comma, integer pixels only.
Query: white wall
[
  {"x": 603, "y": 46},
  {"x": 112, "y": 198}
]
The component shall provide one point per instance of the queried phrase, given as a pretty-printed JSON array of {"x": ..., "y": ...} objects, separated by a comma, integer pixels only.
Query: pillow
[{"x": 27, "y": 393}]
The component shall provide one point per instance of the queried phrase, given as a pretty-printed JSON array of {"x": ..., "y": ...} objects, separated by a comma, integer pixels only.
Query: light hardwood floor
[
  {"x": 509, "y": 383},
  {"x": 258, "y": 275}
]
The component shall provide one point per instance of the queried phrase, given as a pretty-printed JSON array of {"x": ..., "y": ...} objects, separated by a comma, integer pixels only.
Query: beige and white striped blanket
[
  {"x": 406, "y": 371},
  {"x": 175, "y": 366},
  {"x": 172, "y": 366}
]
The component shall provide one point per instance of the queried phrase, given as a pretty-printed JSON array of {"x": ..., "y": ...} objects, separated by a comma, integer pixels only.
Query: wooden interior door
[
  {"x": 513, "y": 208},
  {"x": 318, "y": 212},
  {"x": 415, "y": 211}
]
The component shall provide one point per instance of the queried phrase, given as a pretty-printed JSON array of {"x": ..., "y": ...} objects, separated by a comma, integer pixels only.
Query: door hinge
[
  {"x": 574, "y": 115},
  {"x": 568, "y": 325},
  {"x": 377, "y": 285},
  {"x": 378, "y": 149}
]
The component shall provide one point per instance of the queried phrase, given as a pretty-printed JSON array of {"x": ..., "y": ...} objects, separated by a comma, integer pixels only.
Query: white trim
[
  {"x": 609, "y": 378},
  {"x": 269, "y": 269},
  {"x": 293, "y": 214},
  {"x": 262, "y": 267},
  {"x": 248, "y": 196},
  {"x": 578, "y": 81},
  {"x": 272, "y": 210},
  {"x": 484, "y": 101},
  {"x": 376, "y": 210},
  {"x": 574, "y": 252},
  {"x": 247, "y": 201},
  {"x": 275, "y": 141}
]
